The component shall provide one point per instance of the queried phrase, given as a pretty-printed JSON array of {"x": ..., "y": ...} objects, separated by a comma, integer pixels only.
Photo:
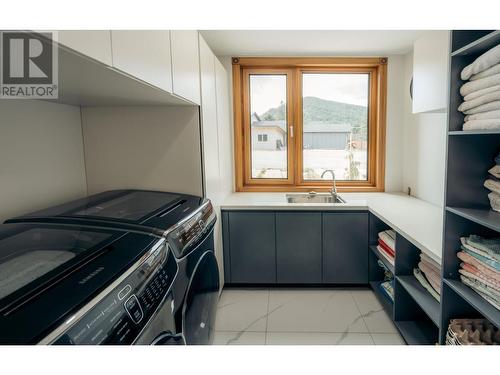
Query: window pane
[
  {"x": 335, "y": 131},
  {"x": 268, "y": 126}
]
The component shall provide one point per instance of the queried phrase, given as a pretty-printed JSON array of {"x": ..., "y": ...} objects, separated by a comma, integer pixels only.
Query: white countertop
[{"x": 418, "y": 221}]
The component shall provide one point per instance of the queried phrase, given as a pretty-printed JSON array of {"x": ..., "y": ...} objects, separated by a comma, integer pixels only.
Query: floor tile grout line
[
  {"x": 324, "y": 332},
  {"x": 308, "y": 332}
]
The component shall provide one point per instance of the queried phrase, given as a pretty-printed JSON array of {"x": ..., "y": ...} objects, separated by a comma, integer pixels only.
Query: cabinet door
[
  {"x": 345, "y": 248},
  {"x": 185, "y": 64},
  {"x": 224, "y": 130},
  {"x": 298, "y": 247},
  {"x": 210, "y": 139},
  {"x": 145, "y": 55},
  {"x": 430, "y": 72},
  {"x": 93, "y": 43},
  {"x": 252, "y": 249}
]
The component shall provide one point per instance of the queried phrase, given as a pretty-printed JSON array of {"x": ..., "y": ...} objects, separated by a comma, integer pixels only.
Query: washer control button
[
  {"x": 134, "y": 309},
  {"x": 124, "y": 292}
]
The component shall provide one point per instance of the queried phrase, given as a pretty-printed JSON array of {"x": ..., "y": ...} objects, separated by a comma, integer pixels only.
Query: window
[
  {"x": 262, "y": 137},
  {"x": 296, "y": 118}
]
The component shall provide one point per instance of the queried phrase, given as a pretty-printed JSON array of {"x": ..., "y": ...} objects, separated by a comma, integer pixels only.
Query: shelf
[
  {"x": 474, "y": 132},
  {"x": 422, "y": 297},
  {"x": 381, "y": 257},
  {"x": 483, "y": 216},
  {"x": 476, "y": 301},
  {"x": 384, "y": 301},
  {"x": 480, "y": 45},
  {"x": 418, "y": 332}
]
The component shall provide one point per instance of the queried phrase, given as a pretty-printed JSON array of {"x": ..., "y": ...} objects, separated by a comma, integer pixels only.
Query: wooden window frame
[{"x": 376, "y": 67}]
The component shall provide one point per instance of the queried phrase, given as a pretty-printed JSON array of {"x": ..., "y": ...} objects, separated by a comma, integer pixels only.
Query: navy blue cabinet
[
  {"x": 249, "y": 247},
  {"x": 298, "y": 247},
  {"x": 295, "y": 247},
  {"x": 345, "y": 247}
]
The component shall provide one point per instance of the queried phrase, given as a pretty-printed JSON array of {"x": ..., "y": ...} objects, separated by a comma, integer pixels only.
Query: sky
[{"x": 268, "y": 91}]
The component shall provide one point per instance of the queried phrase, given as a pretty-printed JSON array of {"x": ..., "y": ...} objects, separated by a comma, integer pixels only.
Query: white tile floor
[{"x": 302, "y": 317}]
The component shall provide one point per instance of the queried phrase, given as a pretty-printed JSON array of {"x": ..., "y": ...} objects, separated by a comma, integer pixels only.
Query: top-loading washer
[
  {"x": 64, "y": 284},
  {"x": 186, "y": 222}
]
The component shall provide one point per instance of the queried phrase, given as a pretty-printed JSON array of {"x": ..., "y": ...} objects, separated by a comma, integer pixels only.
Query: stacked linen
[
  {"x": 387, "y": 245},
  {"x": 493, "y": 184},
  {"x": 480, "y": 266},
  {"x": 428, "y": 275},
  {"x": 472, "y": 332},
  {"x": 481, "y": 93},
  {"x": 387, "y": 286}
]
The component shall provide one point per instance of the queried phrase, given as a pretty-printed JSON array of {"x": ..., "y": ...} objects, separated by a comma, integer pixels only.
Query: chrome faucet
[{"x": 333, "y": 191}]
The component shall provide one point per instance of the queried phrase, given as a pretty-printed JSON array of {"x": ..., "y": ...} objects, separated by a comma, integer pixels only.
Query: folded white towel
[
  {"x": 483, "y": 116},
  {"x": 488, "y": 107},
  {"x": 487, "y": 98},
  {"x": 483, "y": 62},
  {"x": 480, "y": 84},
  {"x": 385, "y": 255},
  {"x": 486, "y": 73},
  {"x": 482, "y": 124},
  {"x": 494, "y": 201},
  {"x": 495, "y": 171},
  {"x": 479, "y": 93},
  {"x": 492, "y": 185},
  {"x": 389, "y": 237}
]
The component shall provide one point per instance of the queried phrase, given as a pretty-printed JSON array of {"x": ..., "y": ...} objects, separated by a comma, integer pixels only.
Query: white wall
[
  {"x": 155, "y": 148},
  {"x": 424, "y": 147},
  {"x": 394, "y": 125},
  {"x": 41, "y": 156}
]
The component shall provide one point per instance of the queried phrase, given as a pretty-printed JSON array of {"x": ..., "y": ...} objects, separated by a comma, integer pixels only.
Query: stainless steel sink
[{"x": 313, "y": 197}]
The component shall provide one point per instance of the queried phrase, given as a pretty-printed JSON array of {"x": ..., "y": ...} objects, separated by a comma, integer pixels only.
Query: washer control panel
[
  {"x": 185, "y": 236},
  {"x": 122, "y": 314}
]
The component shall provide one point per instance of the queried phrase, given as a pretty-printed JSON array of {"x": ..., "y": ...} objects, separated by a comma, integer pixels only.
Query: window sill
[{"x": 308, "y": 188}]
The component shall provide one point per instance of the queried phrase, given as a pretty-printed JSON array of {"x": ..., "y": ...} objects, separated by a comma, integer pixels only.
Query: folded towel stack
[
  {"x": 482, "y": 92},
  {"x": 472, "y": 332},
  {"x": 493, "y": 184},
  {"x": 387, "y": 245},
  {"x": 480, "y": 266},
  {"x": 387, "y": 286},
  {"x": 428, "y": 275}
]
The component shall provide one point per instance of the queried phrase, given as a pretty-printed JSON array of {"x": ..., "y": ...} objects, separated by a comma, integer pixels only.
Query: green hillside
[{"x": 326, "y": 111}]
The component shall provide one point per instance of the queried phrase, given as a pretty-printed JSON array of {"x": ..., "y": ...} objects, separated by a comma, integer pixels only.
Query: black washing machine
[
  {"x": 185, "y": 221},
  {"x": 64, "y": 284}
]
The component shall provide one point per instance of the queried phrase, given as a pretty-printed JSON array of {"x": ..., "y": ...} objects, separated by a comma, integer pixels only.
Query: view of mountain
[{"x": 326, "y": 111}]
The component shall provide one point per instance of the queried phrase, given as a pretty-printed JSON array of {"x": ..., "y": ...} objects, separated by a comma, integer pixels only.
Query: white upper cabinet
[
  {"x": 430, "y": 72},
  {"x": 144, "y": 55},
  {"x": 93, "y": 43},
  {"x": 185, "y": 65}
]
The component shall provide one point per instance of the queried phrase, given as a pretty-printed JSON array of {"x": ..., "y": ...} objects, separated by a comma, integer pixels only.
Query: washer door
[{"x": 200, "y": 304}]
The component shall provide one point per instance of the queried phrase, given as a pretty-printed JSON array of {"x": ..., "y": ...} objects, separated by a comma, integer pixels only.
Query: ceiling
[{"x": 311, "y": 43}]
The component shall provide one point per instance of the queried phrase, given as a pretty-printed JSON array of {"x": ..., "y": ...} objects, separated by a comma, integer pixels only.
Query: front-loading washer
[{"x": 65, "y": 284}]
